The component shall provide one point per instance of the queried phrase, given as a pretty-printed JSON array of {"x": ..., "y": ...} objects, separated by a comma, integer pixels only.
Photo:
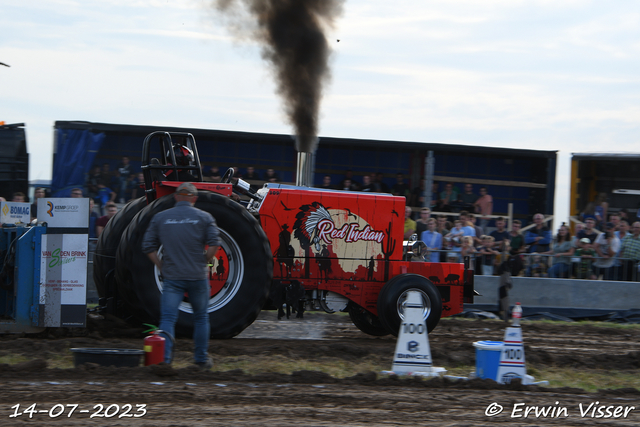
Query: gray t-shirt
[
  {"x": 183, "y": 231},
  {"x": 605, "y": 244},
  {"x": 560, "y": 248}
]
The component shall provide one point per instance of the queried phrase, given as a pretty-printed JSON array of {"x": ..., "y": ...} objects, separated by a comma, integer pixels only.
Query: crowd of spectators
[
  {"x": 212, "y": 174},
  {"x": 120, "y": 185},
  {"x": 613, "y": 254}
]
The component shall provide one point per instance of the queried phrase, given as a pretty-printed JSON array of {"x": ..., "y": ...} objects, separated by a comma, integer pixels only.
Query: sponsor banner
[
  {"x": 63, "y": 279},
  {"x": 64, "y": 212},
  {"x": 15, "y": 213}
]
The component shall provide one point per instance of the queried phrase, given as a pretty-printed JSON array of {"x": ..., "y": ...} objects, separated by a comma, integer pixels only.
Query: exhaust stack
[{"x": 303, "y": 169}]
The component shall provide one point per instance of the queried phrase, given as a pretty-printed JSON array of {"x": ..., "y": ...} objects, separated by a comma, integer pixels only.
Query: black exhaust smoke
[{"x": 293, "y": 41}]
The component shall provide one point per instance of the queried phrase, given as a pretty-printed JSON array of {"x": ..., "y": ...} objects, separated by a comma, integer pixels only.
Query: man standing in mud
[{"x": 184, "y": 231}]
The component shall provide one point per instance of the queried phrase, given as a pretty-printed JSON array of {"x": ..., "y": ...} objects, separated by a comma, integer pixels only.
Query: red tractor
[{"x": 312, "y": 248}]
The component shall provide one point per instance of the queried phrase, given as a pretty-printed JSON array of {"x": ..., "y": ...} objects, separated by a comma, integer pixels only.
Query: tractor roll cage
[{"x": 166, "y": 168}]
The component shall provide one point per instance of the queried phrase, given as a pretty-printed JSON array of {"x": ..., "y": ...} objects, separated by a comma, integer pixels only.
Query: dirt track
[{"x": 177, "y": 397}]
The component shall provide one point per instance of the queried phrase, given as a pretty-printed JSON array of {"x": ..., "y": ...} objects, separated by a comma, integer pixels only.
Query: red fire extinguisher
[{"x": 153, "y": 348}]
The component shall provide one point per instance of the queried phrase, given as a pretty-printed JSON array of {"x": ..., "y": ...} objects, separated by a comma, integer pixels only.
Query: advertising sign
[
  {"x": 15, "y": 213},
  {"x": 64, "y": 212},
  {"x": 63, "y": 280}
]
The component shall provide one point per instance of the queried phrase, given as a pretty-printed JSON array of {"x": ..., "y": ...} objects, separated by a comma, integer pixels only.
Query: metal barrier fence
[{"x": 550, "y": 266}]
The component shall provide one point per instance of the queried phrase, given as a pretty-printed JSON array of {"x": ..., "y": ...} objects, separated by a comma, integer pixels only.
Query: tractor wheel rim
[
  {"x": 234, "y": 278},
  {"x": 426, "y": 303}
]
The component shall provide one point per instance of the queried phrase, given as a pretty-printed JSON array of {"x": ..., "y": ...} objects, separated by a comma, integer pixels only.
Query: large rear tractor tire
[
  {"x": 104, "y": 260},
  {"x": 366, "y": 321},
  {"x": 240, "y": 278},
  {"x": 393, "y": 297}
]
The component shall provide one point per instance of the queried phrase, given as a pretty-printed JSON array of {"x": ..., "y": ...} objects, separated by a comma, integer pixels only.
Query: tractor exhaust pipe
[
  {"x": 303, "y": 169},
  {"x": 305, "y": 147}
]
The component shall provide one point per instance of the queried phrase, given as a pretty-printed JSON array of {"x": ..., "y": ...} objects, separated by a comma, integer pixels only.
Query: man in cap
[
  {"x": 589, "y": 231},
  {"x": 184, "y": 232}
]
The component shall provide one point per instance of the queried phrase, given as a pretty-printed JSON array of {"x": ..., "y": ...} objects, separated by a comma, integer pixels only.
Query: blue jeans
[
  {"x": 559, "y": 270},
  {"x": 172, "y": 295}
]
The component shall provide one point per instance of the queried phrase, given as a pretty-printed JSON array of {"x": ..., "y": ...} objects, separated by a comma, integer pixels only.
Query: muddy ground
[{"x": 189, "y": 397}]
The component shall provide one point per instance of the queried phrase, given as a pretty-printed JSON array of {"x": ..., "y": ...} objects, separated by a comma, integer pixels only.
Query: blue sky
[{"x": 550, "y": 75}]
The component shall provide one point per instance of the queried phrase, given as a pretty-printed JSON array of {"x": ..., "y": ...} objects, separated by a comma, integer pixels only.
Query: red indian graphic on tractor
[
  {"x": 345, "y": 246},
  {"x": 292, "y": 247}
]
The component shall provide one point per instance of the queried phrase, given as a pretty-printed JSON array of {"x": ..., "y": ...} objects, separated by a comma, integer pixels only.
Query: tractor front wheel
[
  {"x": 366, "y": 321},
  {"x": 393, "y": 297}
]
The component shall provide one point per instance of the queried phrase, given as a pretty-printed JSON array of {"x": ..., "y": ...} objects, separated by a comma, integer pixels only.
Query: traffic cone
[
  {"x": 413, "y": 354},
  {"x": 512, "y": 361}
]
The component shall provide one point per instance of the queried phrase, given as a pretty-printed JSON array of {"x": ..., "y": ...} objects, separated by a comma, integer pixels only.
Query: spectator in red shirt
[{"x": 110, "y": 209}]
